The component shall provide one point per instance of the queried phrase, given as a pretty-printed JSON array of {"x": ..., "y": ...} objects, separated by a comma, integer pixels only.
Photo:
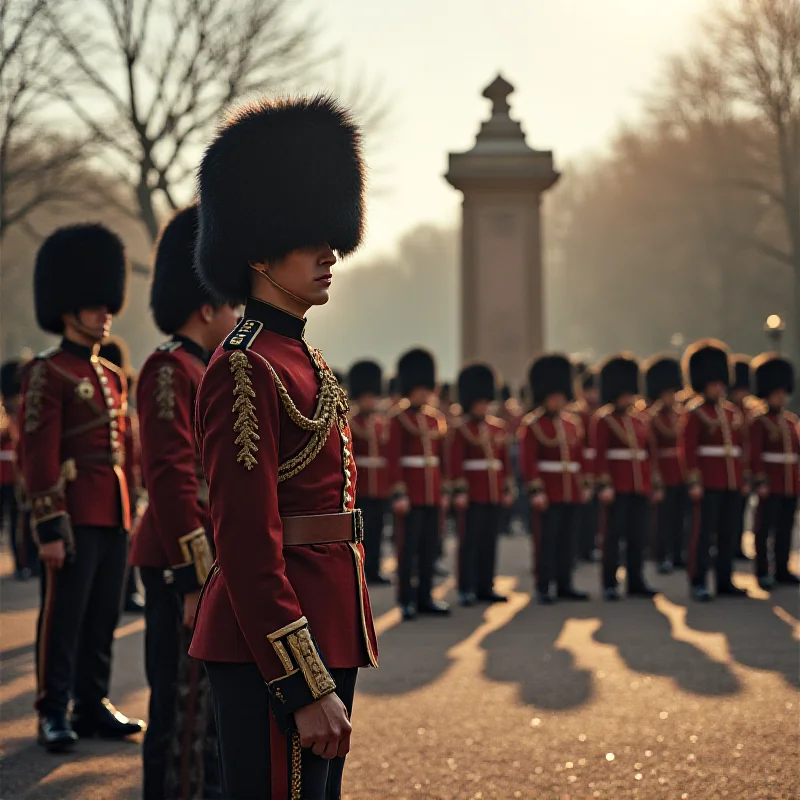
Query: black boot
[
  {"x": 787, "y": 579},
  {"x": 492, "y": 597},
  {"x": 730, "y": 590},
  {"x": 105, "y": 721},
  {"x": 641, "y": 590},
  {"x": 572, "y": 594},
  {"x": 55, "y": 734},
  {"x": 434, "y": 607}
]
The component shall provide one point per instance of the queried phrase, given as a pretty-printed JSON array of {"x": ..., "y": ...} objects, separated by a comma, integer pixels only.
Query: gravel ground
[{"x": 640, "y": 699}]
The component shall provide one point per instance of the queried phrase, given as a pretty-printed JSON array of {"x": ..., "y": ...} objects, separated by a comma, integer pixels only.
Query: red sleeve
[
  {"x": 133, "y": 464},
  {"x": 241, "y": 464},
  {"x": 455, "y": 461},
  {"x": 41, "y": 442},
  {"x": 688, "y": 439},
  {"x": 529, "y": 457},
  {"x": 652, "y": 453},
  {"x": 164, "y": 398},
  {"x": 394, "y": 451},
  {"x": 756, "y": 465},
  {"x": 598, "y": 439}
]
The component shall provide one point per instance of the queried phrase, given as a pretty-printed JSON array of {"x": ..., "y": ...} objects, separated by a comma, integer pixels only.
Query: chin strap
[
  {"x": 93, "y": 333},
  {"x": 266, "y": 275}
]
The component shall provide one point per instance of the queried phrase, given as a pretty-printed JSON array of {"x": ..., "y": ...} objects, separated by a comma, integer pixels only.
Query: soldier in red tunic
[
  {"x": 482, "y": 483},
  {"x": 711, "y": 442},
  {"x": 551, "y": 448},
  {"x": 663, "y": 379},
  {"x": 73, "y": 461},
  {"x": 626, "y": 473},
  {"x": 171, "y": 547},
  {"x": 417, "y": 434},
  {"x": 739, "y": 393},
  {"x": 774, "y": 453},
  {"x": 370, "y": 429},
  {"x": 10, "y": 385},
  {"x": 284, "y": 620}
]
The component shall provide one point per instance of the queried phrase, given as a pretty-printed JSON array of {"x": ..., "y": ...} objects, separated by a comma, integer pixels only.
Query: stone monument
[{"x": 502, "y": 180}]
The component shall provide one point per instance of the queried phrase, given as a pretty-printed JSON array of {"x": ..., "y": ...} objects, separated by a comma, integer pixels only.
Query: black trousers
[
  {"x": 671, "y": 525},
  {"x": 80, "y": 607},
  {"x": 179, "y": 753},
  {"x": 241, "y": 706},
  {"x": 719, "y": 522},
  {"x": 774, "y": 520},
  {"x": 417, "y": 535},
  {"x": 586, "y": 530},
  {"x": 553, "y": 531},
  {"x": 626, "y": 521},
  {"x": 477, "y": 550},
  {"x": 373, "y": 511}
]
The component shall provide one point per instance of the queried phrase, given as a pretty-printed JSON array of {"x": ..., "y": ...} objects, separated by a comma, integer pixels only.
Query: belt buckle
[{"x": 358, "y": 526}]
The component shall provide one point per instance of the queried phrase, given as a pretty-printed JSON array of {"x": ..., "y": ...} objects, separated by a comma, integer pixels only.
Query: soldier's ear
[{"x": 207, "y": 312}]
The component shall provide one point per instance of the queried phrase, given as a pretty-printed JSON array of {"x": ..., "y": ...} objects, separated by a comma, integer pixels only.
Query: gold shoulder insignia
[
  {"x": 169, "y": 346},
  {"x": 33, "y": 396},
  {"x": 165, "y": 392},
  {"x": 49, "y": 353},
  {"x": 398, "y": 408},
  {"x": 246, "y": 425}
]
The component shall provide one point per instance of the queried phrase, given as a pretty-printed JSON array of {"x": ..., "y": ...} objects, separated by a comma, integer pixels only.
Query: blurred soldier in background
[
  {"x": 370, "y": 429},
  {"x": 774, "y": 453},
  {"x": 740, "y": 394}
]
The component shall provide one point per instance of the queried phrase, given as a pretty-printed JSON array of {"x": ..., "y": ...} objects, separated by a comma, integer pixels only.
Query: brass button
[
  {"x": 113, "y": 424},
  {"x": 115, "y": 435},
  {"x": 103, "y": 379},
  {"x": 110, "y": 402}
]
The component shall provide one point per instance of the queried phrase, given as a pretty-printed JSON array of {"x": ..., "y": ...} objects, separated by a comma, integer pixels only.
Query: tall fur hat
[
  {"x": 416, "y": 369},
  {"x": 177, "y": 291},
  {"x": 772, "y": 371},
  {"x": 705, "y": 361},
  {"x": 365, "y": 377},
  {"x": 280, "y": 175},
  {"x": 476, "y": 382},
  {"x": 77, "y": 267},
  {"x": 551, "y": 373},
  {"x": 11, "y": 378},
  {"x": 741, "y": 372},
  {"x": 662, "y": 374},
  {"x": 619, "y": 375}
]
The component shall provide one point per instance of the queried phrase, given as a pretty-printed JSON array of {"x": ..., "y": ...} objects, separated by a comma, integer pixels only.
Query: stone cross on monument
[{"x": 502, "y": 180}]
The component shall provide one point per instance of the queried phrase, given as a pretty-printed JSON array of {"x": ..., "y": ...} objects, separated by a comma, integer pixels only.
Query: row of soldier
[{"x": 81, "y": 467}]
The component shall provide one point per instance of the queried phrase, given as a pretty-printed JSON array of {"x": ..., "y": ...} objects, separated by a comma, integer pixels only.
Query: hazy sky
[{"x": 579, "y": 68}]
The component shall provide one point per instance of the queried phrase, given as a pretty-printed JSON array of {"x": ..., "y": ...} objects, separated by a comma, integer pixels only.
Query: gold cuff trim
[
  {"x": 195, "y": 549},
  {"x": 287, "y": 629},
  {"x": 307, "y": 656}
]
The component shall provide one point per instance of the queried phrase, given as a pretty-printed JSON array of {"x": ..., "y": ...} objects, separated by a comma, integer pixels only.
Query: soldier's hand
[
  {"x": 746, "y": 489},
  {"x": 586, "y": 495},
  {"x": 763, "y": 491},
  {"x": 696, "y": 493},
  {"x": 324, "y": 727},
  {"x": 539, "y": 501},
  {"x": 190, "y": 601},
  {"x": 606, "y": 495},
  {"x": 53, "y": 554},
  {"x": 401, "y": 506},
  {"x": 658, "y": 496},
  {"x": 508, "y": 500},
  {"x": 461, "y": 501},
  {"x": 444, "y": 502}
]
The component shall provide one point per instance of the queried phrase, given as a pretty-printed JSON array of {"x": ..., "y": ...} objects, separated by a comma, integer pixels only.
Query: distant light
[{"x": 774, "y": 323}]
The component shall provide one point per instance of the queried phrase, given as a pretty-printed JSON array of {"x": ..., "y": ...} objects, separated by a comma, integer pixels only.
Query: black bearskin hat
[
  {"x": 116, "y": 351},
  {"x": 772, "y": 371},
  {"x": 706, "y": 361},
  {"x": 11, "y": 378},
  {"x": 365, "y": 377},
  {"x": 476, "y": 382},
  {"x": 588, "y": 379},
  {"x": 662, "y": 374},
  {"x": 177, "y": 291},
  {"x": 549, "y": 374},
  {"x": 416, "y": 369},
  {"x": 393, "y": 386},
  {"x": 741, "y": 372},
  {"x": 77, "y": 267},
  {"x": 619, "y": 375},
  {"x": 280, "y": 175}
]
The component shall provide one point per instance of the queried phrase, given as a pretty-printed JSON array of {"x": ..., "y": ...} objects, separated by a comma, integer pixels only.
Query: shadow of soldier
[
  {"x": 524, "y": 652},
  {"x": 644, "y": 633},
  {"x": 761, "y": 633}
]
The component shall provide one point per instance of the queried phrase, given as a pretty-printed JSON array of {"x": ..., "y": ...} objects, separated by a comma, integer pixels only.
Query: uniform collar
[
  {"x": 192, "y": 348},
  {"x": 275, "y": 319},
  {"x": 80, "y": 351}
]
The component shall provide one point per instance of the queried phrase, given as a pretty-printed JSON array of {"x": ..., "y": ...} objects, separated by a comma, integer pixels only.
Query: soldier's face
[
  {"x": 480, "y": 408},
  {"x": 306, "y": 273},
  {"x": 778, "y": 398},
  {"x": 368, "y": 402},
  {"x": 591, "y": 396},
  {"x": 89, "y": 324},
  {"x": 668, "y": 398},
  {"x": 555, "y": 402},
  {"x": 715, "y": 390}
]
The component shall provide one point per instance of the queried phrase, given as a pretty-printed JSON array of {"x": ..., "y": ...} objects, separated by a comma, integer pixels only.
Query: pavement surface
[{"x": 640, "y": 699}]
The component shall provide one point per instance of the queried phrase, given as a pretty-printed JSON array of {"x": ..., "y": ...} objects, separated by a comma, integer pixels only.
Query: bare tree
[
  {"x": 155, "y": 75},
  {"x": 36, "y": 165}
]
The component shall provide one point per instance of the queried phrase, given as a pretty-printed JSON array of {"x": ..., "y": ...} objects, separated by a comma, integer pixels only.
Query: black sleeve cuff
[
  {"x": 185, "y": 579},
  {"x": 54, "y": 528},
  {"x": 286, "y": 695}
]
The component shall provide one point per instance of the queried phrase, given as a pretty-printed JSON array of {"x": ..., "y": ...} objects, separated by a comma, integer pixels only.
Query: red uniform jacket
[
  {"x": 72, "y": 442},
  {"x": 585, "y": 412},
  {"x": 479, "y": 460},
  {"x": 133, "y": 459},
  {"x": 9, "y": 436},
  {"x": 274, "y": 441},
  {"x": 665, "y": 424},
  {"x": 624, "y": 450},
  {"x": 173, "y": 529},
  {"x": 416, "y": 453},
  {"x": 711, "y": 442},
  {"x": 775, "y": 451},
  {"x": 551, "y": 455},
  {"x": 371, "y": 446}
]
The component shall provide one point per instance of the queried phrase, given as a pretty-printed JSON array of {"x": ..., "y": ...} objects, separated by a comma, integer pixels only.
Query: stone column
[{"x": 502, "y": 180}]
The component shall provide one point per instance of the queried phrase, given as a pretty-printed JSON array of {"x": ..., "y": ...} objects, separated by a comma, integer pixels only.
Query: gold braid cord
[
  {"x": 297, "y": 771},
  {"x": 165, "y": 392},
  {"x": 246, "y": 423}
]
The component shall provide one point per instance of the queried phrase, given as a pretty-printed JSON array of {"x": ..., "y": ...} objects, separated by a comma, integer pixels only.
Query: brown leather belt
[{"x": 323, "y": 529}]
